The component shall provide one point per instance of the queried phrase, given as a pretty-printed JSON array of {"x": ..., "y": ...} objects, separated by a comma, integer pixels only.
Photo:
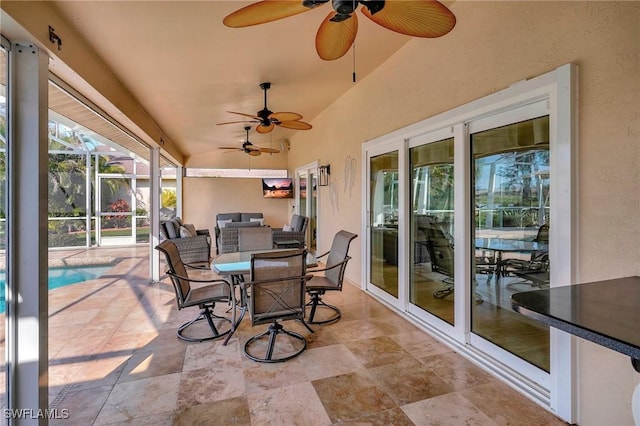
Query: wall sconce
[{"x": 323, "y": 175}]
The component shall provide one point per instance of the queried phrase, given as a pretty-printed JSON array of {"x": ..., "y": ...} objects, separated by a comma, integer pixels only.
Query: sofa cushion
[
  {"x": 246, "y": 217},
  {"x": 241, "y": 224},
  {"x": 223, "y": 222},
  {"x": 236, "y": 217},
  {"x": 260, "y": 220}
]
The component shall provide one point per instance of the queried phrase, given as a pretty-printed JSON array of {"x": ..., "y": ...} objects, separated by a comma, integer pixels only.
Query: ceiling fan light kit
[
  {"x": 267, "y": 120},
  {"x": 250, "y": 148},
  {"x": 416, "y": 18}
]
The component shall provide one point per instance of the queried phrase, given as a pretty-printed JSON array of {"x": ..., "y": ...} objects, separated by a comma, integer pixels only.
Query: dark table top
[{"x": 603, "y": 312}]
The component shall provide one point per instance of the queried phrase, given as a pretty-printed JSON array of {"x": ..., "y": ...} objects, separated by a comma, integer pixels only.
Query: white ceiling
[{"x": 186, "y": 68}]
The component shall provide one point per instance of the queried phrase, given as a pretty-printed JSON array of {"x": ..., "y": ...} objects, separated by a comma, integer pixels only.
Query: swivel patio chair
[
  {"x": 250, "y": 239},
  {"x": 204, "y": 297},
  {"x": 534, "y": 270},
  {"x": 332, "y": 278},
  {"x": 277, "y": 288}
]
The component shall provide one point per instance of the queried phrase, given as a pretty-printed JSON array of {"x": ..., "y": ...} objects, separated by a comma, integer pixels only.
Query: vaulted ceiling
[{"x": 187, "y": 69}]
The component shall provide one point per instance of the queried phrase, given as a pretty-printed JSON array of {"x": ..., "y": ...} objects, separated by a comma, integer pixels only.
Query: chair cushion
[
  {"x": 173, "y": 229},
  {"x": 296, "y": 223},
  {"x": 246, "y": 217}
]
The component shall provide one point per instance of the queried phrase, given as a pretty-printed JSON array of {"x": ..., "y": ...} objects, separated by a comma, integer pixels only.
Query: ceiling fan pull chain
[{"x": 354, "y": 49}]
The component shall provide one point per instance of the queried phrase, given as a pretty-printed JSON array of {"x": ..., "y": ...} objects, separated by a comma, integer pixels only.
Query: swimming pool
[{"x": 60, "y": 277}]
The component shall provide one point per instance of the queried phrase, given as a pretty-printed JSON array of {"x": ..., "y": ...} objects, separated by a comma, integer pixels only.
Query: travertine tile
[
  {"x": 140, "y": 398},
  {"x": 327, "y": 361},
  {"x": 290, "y": 405},
  {"x": 450, "y": 409},
  {"x": 351, "y": 396}
]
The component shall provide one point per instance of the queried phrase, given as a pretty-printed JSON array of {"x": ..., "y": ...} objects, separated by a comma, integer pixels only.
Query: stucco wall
[
  {"x": 494, "y": 45},
  {"x": 203, "y": 198}
]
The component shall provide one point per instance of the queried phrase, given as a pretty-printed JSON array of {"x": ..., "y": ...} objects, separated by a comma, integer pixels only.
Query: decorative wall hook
[{"x": 55, "y": 38}]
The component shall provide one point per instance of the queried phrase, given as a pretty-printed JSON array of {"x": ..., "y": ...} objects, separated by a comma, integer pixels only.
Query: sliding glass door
[
  {"x": 384, "y": 222},
  {"x": 431, "y": 248},
  {"x": 511, "y": 181},
  {"x": 459, "y": 213}
]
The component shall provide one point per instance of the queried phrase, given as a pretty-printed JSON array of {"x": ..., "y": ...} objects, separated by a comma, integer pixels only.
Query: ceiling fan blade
[
  {"x": 230, "y": 147},
  {"x": 263, "y": 12},
  {"x": 417, "y": 18},
  {"x": 334, "y": 39},
  {"x": 285, "y": 116},
  {"x": 270, "y": 150},
  {"x": 295, "y": 124},
  {"x": 264, "y": 129},
  {"x": 254, "y": 153},
  {"x": 245, "y": 115},
  {"x": 234, "y": 122}
]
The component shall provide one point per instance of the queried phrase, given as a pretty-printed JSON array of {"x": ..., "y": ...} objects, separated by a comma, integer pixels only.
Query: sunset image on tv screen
[{"x": 277, "y": 188}]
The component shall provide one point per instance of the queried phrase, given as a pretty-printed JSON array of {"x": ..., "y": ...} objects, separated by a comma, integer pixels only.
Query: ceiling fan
[
  {"x": 417, "y": 18},
  {"x": 268, "y": 119},
  {"x": 250, "y": 148}
]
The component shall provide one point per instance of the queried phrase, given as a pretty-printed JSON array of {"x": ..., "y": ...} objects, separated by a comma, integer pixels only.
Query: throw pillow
[
  {"x": 287, "y": 228},
  {"x": 188, "y": 230},
  {"x": 257, "y": 219},
  {"x": 172, "y": 230},
  {"x": 184, "y": 232},
  {"x": 223, "y": 222}
]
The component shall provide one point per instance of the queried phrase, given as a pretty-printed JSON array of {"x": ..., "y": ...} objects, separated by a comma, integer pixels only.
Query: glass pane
[
  {"x": 302, "y": 190},
  {"x": 511, "y": 233},
  {"x": 115, "y": 195},
  {"x": 67, "y": 232},
  {"x": 384, "y": 222},
  {"x": 313, "y": 212},
  {"x": 67, "y": 185},
  {"x": 142, "y": 230},
  {"x": 3, "y": 212},
  {"x": 168, "y": 196},
  {"x": 432, "y": 190}
]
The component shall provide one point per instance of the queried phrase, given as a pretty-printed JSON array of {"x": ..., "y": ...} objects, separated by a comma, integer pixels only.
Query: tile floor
[{"x": 115, "y": 359}]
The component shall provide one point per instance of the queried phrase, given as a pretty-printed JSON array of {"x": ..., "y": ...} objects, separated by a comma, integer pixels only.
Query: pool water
[{"x": 60, "y": 277}]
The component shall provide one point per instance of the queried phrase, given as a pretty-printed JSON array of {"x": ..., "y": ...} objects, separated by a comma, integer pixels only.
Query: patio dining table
[
  {"x": 236, "y": 265},
  {"x": 505, "y": 245}
]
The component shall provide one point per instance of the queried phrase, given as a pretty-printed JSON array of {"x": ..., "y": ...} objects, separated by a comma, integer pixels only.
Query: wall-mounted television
[{"x": 277, "y": 187}]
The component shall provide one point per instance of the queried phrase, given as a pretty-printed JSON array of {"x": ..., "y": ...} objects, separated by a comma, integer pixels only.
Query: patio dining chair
[
  {"x": 277, "y": 286},
  {"x": 203, "y": 297},
  {"x": 332, "y": 277},
  {"x": 250, "y": 239}
]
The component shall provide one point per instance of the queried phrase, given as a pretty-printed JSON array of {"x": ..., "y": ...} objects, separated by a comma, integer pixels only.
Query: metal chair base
[
  {"x": 206, "y": 314},
  {"x": 272, "y": 332},
  {"x": 316, "y": 302}
]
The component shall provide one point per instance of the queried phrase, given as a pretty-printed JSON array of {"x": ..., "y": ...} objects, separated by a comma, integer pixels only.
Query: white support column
[
  {"x": 27, "y": 303},
  {"x": 154, "y": 213},
  {"x": 179, "y": 176}
]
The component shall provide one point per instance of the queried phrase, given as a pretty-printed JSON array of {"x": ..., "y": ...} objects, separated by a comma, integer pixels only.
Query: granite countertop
[{"x": 604, "y": 312}]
